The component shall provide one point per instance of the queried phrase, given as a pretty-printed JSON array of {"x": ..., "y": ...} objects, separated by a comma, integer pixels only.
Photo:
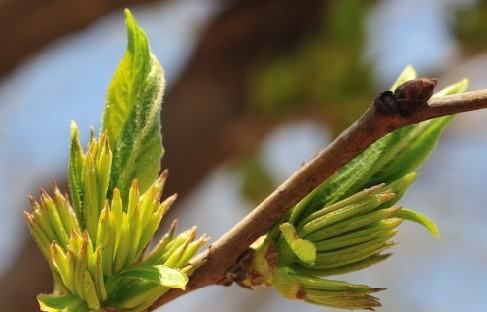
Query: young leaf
[
  {"x": 421, "y": 219},
  {"x": 142, "y": 285},
  {"x": 347, "y": 268},
  {"x": 305, "y": 250},
  {"x": 53, "y": 303},
  {"x": 131, "y": 115},
  {"x": 346, "y": 181},
  {"x": 386, "y": 160},
  {"x": 410, "y": 146},
  {"x": 408, "y": 73},
  {"x": 75, "y": 169}
]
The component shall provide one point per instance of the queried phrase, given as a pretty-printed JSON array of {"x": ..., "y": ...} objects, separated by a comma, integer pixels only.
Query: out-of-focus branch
[
  {"x": 213, "y": 264},
  {"x": 29, "y": 25}
]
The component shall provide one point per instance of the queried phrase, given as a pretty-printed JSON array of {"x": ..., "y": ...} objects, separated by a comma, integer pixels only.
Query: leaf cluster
[
  {"x": 347, "y": 222},
  {"x": 97, "y": 243}
]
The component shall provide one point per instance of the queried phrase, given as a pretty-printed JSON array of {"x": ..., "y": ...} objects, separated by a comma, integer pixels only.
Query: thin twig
[{"x": 212, "y": 264}]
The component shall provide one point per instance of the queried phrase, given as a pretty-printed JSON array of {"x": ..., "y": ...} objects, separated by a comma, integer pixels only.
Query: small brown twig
[{"x": 387, "y": 113}]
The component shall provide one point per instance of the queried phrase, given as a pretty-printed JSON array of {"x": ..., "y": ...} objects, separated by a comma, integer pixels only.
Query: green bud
[
  {"x": 39, "y": 236},
  {"x": 91, "y": 204},
  {"x": 352, "y": 224},
  {"x": 55, "y": 221},
  {"x": 190, "y": 251},
  {"x": 175, "y": 256},
  {"x": 155, "y": 256},
  {"x": 346, "y": 212},
  {"x": 303, "y": 249},
  {"x": 355, "y": 198},
  {"x": 95, "y": 245},
  {"x": 64, "y": 266},
  {"x": 331, "y": 259},
  {"x": 348, "y": 268},
  {"x": 96, "y": 271},
  {"x": 337, "y": 294},
  {"x": 356, "y": 237},
  {"x": 122, "y": 251},
  {"x": 75, "y": 176},
  {"x": 89, "y": 292},
  {"x": 65, "y": 212},
  {"x": 42, "y": 218}
]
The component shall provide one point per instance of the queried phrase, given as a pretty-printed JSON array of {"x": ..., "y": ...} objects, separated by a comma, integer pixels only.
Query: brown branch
[
  {"x": 213, "y": 264},
  {"x": 30, "y": 25}
]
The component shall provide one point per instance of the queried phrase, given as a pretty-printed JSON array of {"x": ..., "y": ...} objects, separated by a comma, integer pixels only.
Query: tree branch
[{"x": 213, "y": 264}]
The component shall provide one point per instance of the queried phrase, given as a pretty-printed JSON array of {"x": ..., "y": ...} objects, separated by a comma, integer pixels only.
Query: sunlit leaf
[
  {"x": 75, "y": 169},
  {"x": 421, "y": 219},
  {"x": 132, "y": 113},
  {"x": 303, "y": 249},
  {"x": 408, "y": 73},
  {"x": 65, "y": 303}
]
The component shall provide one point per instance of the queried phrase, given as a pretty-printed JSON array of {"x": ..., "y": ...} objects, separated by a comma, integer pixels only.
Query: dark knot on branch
[{"x": 408, "y": 98}]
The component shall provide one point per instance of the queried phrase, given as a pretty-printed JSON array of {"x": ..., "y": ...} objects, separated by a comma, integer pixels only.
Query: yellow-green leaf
[
  {"x": 420, "y": 218},
  {"x": 64, "y": 303},
  {"x": 132, "y": 111},
  {"x": 304, "y": 249}
]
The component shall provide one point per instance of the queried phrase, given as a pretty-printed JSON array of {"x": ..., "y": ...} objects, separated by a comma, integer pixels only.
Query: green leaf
[
  {"x": 190, "y": 251},
  {"x": 324, "y": 284},
  {"x": 382, "y": 229},
  {"x": 342, "y": 300},
  {"x": 419, "y": 218},
  {"x": 141, "y": 285},
  {"x": 39, "y": 236},
  {"x": 410, "y": 146},
  {"x": 386, "y": 160},
  {"x": 352, "y": 224},
  {"x": 171, "y": 278},
  {"x": 355, "y": 198},
  {"x": 305, "y": 250},
  {"x": 455, "y": 88},
  {"x": 132, "y": 113},
  {"x": 156, "y": 274},
  {"x": 75, "y": 169},
  {"x": 341, "y": 257},
  {"x": 65, "y": 303},
  {"x": 338, "y": 294},
  {"x": 347, "y": 212},
  {"x": 348, "y": 268},
  {"x": 285, "y": 284},
  {"x": 408, "y": 73},
  {"x": 345, "y": 182},
  {"x": 89, "y": 291}
]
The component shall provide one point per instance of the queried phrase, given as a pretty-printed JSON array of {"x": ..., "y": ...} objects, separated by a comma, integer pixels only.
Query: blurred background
[{"x": 255, "y": 88}]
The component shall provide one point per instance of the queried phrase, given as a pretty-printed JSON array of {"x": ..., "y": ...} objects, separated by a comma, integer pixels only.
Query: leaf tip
[
  {"x": 73, "y": 129},
  {"x": 421, "y": 219},
  {"x": 129, "y": 18},
  {"x": 408, "y": 73},
  {"x": 409, "y": 70}
]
